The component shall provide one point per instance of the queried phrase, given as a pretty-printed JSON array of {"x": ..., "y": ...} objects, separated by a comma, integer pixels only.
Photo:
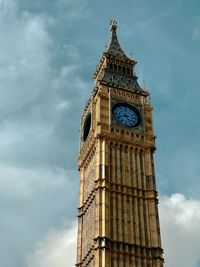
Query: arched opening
[{"x": 86, "y": 127}]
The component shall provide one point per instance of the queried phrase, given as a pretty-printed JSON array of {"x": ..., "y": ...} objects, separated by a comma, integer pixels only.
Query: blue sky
[{"x": 48, "y": 53}]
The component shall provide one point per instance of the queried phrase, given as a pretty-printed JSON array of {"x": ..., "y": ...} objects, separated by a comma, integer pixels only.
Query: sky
[{"x": 48, "y": 53}]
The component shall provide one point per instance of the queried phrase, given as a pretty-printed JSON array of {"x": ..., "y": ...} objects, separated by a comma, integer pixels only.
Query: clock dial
[
  {"x": 86, "y": 127},
  {"x": 126, "y": 115}
]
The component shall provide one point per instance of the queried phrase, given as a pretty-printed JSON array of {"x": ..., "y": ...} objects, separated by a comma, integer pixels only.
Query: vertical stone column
[
  {"x": 105, "y": 193},
  {"x": 97, "y": 258},
  {"x": 80, "y": 219},
  {"x": 111, "y": 194},
  {"x": 116, "y": 231},
  {"x": 118, "y": 197},
  {"x": 115, "y": 256},
  {"x": 148, "y": 234},
  {"x": 114, "y": 193},
  {"x": 143, "y": 243},
  {"x": 138, "y": 213},
  {"x": 98, "y": 174},
  {"x": 79, "y": 239},
  {"x": 132, "y": 198},
  {"x": 129, "y": 201},
  {"x": 125, "y": 191},
  {"x": 156, "y": 202}
]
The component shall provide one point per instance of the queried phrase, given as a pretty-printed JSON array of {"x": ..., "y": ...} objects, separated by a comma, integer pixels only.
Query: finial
[{"x": 113, "y": 24}]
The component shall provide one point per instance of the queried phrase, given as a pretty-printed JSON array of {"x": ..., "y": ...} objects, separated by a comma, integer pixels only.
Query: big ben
[{"x": 118, "y": 221}]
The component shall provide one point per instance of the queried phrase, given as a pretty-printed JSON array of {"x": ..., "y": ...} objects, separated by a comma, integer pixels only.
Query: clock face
[
  {"x": 86, "y": 127},
  {"x": 126, "y": 115}
]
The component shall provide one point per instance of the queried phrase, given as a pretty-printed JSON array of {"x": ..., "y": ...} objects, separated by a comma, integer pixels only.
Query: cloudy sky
[{"x": 48, "y": 52}]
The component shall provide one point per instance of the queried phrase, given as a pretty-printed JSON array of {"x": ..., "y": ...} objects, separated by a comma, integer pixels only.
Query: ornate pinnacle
[{"x": 113, "y": 24}]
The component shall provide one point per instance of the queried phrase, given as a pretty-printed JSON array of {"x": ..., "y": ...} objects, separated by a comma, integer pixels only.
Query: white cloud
[
  {"x": 24, "y": 57},
  {"x": 56, "y": 249},
  {"x": 63, "y": 105},
  {"x": 32, "y": 201},
  {"x": 180, "y": 221},
  {"x": 36, "y": 95},
  {"x": 16, "y": 182}
]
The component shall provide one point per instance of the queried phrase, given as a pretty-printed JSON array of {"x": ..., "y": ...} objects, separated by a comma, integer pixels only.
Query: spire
[
  {"x": 115, "y": 68},
  {"x": 113, "y": 24},
  {"x": 114, "y": 47}
]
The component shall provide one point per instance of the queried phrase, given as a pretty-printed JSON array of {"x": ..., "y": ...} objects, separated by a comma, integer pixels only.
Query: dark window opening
[{"x": 86, "y": 128}]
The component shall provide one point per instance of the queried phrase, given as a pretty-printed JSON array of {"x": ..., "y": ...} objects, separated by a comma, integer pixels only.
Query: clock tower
[{"x": 118, "y": 221}]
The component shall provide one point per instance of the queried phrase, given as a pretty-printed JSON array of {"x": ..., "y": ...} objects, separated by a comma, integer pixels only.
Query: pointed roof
[
  {"x": 115, "y": 68},
  {"x": 114, "y": 47}
]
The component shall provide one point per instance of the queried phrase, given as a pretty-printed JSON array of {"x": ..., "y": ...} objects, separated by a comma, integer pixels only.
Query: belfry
[{"x": 118, "y": 221}]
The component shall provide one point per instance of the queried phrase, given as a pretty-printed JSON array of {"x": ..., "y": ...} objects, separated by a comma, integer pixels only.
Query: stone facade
[{"x": 118, "y": 222}]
